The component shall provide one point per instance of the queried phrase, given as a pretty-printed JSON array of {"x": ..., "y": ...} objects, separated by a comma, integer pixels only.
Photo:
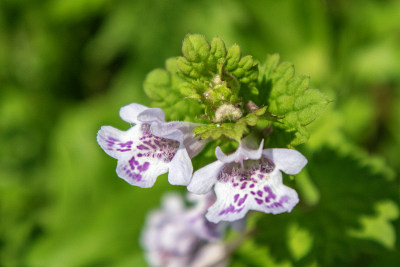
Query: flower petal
[
  {"x": 255, "y": 189},
  {"x": 115, "y": 142},
  {"x": 194, "y": 145},
  {"x": 129, "y": 113},
  {"x": 140, "y": 171},
  {"x": 278, "y": 198},
  {"x": 167, "y": 130},
  {"x": 213, "y": 254},
  {"x": 151, "y": 114},
  {"x": 173, "y": 203},
  {"x": 142, "y": 157},
  {"x": 180, "y": 168},
  {"x": 230, "y": 204},
  {"x": 242, "y": 153},
  {"x": 204, "y": 178},
  {"x": 181, "y": 132},
  {"x": 287, "y": 160}
]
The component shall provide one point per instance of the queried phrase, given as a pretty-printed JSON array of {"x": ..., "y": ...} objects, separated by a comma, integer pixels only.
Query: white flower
[
  {"x": 248, "y": 180},
  {"x": 178, "y": 237},
  {"x": 151, "y": 147}
]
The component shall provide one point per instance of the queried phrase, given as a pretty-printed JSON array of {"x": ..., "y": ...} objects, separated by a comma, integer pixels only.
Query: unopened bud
[{"x": 227, "y": 112}]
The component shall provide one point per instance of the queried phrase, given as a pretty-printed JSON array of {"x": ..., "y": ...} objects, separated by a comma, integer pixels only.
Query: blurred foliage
[{"x": 66, "y": 67}]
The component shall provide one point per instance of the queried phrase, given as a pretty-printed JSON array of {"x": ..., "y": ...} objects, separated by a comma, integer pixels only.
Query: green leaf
[
  {"x": 378, "y": 227},
  {"x": 187, "y": 69},
  {"x": 195, "y": 48},
  {"x": 176, "y": 97},
  {"x": 291, "y": 98},
  {"x": 253, "y": 254},
  {"x": 270, "y": 64},
  {"x": 217, "y": 51},
  {"x": 233, "y": 58},
  {"x": 300, "y": 241},
  {"x": 344, "y": 220},
  {"x": 233, "y": 131},
  {"x": 251, "y": 119},
  {"x": 157, "y": 84}
]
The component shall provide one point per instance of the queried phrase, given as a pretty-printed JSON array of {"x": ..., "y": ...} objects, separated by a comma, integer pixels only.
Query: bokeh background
[{"x": 66, "y": 67}]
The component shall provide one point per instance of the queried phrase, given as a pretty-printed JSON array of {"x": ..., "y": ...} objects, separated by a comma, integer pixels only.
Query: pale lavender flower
[
  {"x": 175, "y": 236},
  {"x": 248, "y": 180},
  {"x": 151, "y": 147}
]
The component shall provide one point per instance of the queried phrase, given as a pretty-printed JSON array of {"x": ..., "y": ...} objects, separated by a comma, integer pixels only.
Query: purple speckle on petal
[
  {"x": 144, "y": 167},
  {"x": 259, "y": 201},
  {"x": 284, "y": 199},
  {"x": 252, "y": 185},
  {"x": 242, "y": 200},
  {"x": 235, "y": 198},
  {"x": 142, "y": 147},
  {"x": 235, "y": 184},
  {"x": 133, "y": 162},
  {"x": 243, "y": 185},
  {"x": 150, "y": 144},
  {"x": 133, "y": 175},
  {"x": 271, "y": 194},
  {"x": 259, "y": 193},
  {"x": 230, "y": 209},
  {"x": 128, "y": 144},
  {"x": 136, "y": 176}
]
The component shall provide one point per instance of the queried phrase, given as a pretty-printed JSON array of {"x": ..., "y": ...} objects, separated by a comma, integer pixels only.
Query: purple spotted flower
[
  {"x": 151, "y": 147},
  {"x": 248, "y": 180},
  {"x": 178, "y": 237}
]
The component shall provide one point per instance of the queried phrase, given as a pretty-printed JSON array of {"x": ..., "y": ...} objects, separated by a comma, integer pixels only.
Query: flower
[
  {"x": 151, "y": 147},
  {"x": 248, "y": 180},
  {"x": 179, "y": 237}
]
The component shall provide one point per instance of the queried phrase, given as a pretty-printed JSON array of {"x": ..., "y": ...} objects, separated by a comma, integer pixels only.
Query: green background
[{"x": 66, "y": 67}]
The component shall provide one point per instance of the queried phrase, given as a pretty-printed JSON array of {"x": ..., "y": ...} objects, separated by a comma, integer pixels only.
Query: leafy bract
[
  {"x": 232, "y": 130},
  {"x": 289, "y": 96}
]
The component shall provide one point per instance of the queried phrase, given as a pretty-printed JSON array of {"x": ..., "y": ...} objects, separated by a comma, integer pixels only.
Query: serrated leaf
[
  {"x": 233, "y": 58},
  {"x": 229, "y": 129},
  {"x": 260, "y": 111},
  {"x": 187, "y": 90},
  {"x": 253, "y": 254},
  {"x": 269, "y": 65},
  {"x": 171, "y": 65},
  {"x": 217, "y": 51},
  {"x": 349, "y": 189},
  {"x": 195, "y": 48},
  {"x": 157, "y": 84},
  {"x": 378, "y": 227},
  {"x": 187, "y": 69},
  {"x": 243, "y": 66},
  {"x": 291, "y": 98},
  {"x": 251, "y": 119}
]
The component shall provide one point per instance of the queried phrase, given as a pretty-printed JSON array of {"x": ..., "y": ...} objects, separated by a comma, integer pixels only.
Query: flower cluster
[
  {"x": 237, "y": 102},
  {"x": 248, "y": 179}
]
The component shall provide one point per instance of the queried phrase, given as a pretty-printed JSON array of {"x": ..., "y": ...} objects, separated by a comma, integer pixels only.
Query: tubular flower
[
  {"x": 151, "y": 147},
  {"x": 248, "y": 180},
  {"x": 175, "y": 236}
]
